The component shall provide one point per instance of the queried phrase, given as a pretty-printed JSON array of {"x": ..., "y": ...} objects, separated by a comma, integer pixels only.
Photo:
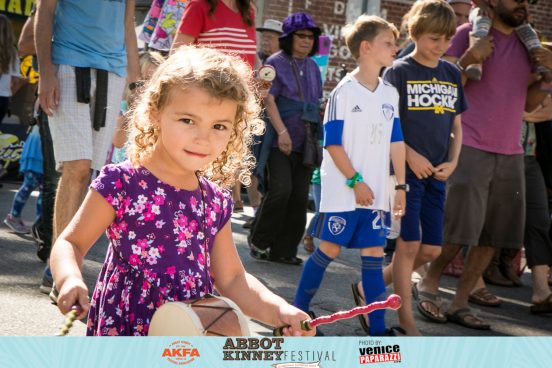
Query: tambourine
[
  {"x": 267, "y": 73},
  {"x": 210, "y": 316}
]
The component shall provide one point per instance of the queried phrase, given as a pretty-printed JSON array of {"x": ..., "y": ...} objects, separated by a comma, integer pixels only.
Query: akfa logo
[{"x": 180, "y": 352}]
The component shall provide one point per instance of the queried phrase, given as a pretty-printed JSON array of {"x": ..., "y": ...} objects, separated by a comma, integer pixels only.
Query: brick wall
[
  {"x": 541, "y": 13},
  {"x": 331, "y": 16}
]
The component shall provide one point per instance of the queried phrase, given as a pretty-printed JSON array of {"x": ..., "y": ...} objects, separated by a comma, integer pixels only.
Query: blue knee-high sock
[
  {"x": 374, "y": 290},
  {"x": 312, "y": 275}
]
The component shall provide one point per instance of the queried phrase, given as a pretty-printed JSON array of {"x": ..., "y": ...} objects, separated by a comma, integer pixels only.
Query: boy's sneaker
[{"x": 16, "y": 224}]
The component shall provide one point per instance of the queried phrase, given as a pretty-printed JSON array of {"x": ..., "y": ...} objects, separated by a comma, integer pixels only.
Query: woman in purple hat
[{"x": 292, "y": 104}]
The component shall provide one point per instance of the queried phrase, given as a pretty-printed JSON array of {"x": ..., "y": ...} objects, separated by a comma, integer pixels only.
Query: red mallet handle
[{"x": 393, "y": 301}]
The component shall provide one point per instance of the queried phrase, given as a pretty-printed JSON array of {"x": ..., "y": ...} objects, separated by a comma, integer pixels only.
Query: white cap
[{"x": 272, "y": 25}]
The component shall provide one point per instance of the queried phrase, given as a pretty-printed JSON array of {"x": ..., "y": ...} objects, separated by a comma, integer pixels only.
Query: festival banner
[{"x": 276, "y": 352}]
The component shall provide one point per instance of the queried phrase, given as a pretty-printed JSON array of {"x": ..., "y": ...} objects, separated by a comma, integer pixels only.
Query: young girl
[{"x": 168, "y": 225}]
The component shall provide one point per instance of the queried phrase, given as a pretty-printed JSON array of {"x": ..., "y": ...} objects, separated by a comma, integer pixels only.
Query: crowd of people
[{"x": 438, "y": 139}]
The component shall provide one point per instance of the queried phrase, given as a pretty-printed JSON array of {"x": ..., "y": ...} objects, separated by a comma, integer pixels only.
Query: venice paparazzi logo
[
  {"x": 180, "y": 352},
  {"x": 379, "y": 353}
]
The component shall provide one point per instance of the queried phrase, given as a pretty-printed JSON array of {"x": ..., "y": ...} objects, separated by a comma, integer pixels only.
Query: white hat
[{"x": 271, "y": 25}]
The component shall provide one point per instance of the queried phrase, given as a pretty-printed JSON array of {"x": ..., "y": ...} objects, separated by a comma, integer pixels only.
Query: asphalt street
[{"x": 24, "y": 310}]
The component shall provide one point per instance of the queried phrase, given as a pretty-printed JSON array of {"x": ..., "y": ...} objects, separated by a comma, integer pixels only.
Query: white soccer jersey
[{"x": 364, "y": 122}]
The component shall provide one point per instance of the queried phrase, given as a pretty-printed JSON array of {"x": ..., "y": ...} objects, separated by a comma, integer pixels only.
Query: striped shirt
[{"x": 224, "y": 30}]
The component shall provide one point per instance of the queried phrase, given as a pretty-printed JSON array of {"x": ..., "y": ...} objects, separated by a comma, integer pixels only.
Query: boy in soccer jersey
[
  {"x": 431, "y": 101},
  {"x": 361, "y": 131}
]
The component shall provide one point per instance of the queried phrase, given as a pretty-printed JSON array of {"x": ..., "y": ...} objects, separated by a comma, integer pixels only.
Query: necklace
[{"x": 300, "y": 68}]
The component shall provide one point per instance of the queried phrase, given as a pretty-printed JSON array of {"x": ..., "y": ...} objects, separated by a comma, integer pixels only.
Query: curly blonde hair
[{"x": 223, "y": 76}]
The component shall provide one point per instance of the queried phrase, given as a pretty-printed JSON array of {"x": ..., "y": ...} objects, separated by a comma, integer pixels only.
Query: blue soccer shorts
[{"x": 361, "y": 228}]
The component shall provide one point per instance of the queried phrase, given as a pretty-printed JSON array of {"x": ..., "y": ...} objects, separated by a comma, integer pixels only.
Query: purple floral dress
[{"x": 157, "y": 247}]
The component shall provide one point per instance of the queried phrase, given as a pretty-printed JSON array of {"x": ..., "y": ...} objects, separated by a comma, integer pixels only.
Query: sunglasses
[{"x": 304, "y": 36}]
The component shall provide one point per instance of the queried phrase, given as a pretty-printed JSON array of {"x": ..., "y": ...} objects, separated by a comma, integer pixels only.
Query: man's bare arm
[{"x": 133, "y": 64}]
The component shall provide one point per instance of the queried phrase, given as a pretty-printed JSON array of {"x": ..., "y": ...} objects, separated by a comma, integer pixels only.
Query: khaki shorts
[
  {"x": 485, "y": 202},
  {"x": 71, "y": 125}
]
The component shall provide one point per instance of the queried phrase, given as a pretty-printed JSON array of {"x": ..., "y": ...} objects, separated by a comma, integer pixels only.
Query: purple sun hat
[{"x": 298, "y": 21}]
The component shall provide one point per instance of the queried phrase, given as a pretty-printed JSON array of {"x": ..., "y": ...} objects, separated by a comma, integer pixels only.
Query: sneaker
[
  {"x": 260, "y": 254},
  {"x": 16, "y": 224}
]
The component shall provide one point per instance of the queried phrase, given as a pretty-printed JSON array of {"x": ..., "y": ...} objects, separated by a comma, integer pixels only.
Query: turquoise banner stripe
[{"x": 426, "y": 352}]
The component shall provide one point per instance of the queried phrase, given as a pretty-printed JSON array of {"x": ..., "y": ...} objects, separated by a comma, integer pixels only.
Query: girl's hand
[
  {"x": 420, "y": 166},
  {"x": 292, "y": 317},
  {"x": 400, "y": 204},
  {"x": 284, "y": 143},
  {"x": 73, "y": 292},
  {"x": 363, "y": 194}
]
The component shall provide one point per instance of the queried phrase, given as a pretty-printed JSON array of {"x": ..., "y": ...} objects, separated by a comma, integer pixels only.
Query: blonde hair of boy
[
  {"x": 221, "y": 75},
  {"x": 431, "y": 16},
  {"x": 365, "y": 28}
]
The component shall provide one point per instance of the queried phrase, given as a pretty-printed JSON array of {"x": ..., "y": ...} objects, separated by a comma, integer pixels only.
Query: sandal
[
  {"x": 463, "y": 316},
  {"x": 484, "y": 297},
  {"x": 542, "y": 307},
  {"x": 360, "y": 302},
  {"x": 308, "y": 244},
  {"x": 423, "y": 298}
]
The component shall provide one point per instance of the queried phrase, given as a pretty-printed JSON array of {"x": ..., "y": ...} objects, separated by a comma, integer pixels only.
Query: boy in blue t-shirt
[
  {"x": 431, "y": 101},
  {"x": 361, "y": 132}
]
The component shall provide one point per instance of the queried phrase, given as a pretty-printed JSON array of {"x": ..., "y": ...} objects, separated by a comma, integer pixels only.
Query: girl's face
[
  {"x": 195, "y": 128},
  {"x": 431, "y": 46}
]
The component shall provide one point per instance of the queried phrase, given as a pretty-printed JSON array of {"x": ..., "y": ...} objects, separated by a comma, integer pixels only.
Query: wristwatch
[
  {"x": 404, "y": 187},
  {"x": 357, "y": 178},
  {"x": 459, "y": 66}
]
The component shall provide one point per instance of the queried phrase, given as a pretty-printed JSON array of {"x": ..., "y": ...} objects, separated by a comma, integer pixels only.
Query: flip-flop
[
  {"x": 542, "y": 307},
  {"x": 484, "y": 297},
  {"x": 423, "y": 298},
  {"x": 461, "y": 317},
  {"x": 359, "y": 301}
]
